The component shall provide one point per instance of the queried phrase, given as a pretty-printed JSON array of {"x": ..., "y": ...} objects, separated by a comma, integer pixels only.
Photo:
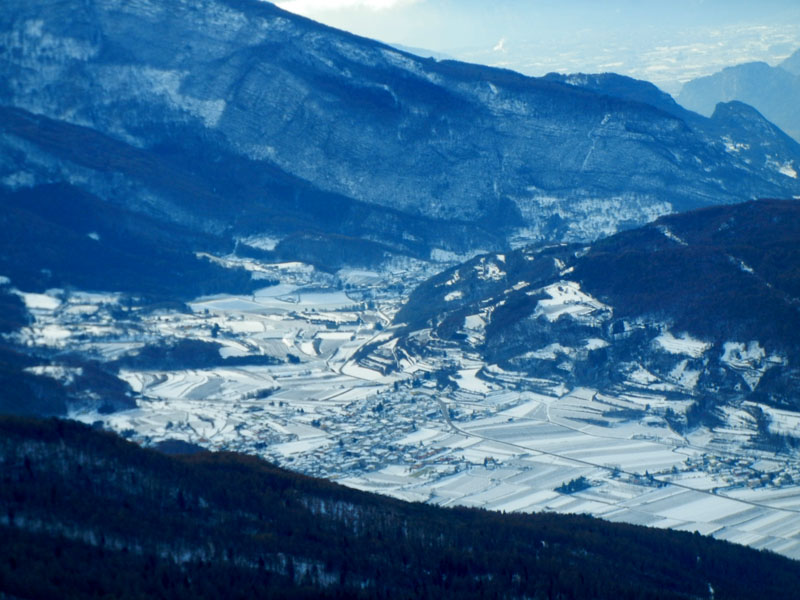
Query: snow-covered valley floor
[{"x": 345, "y": 402}]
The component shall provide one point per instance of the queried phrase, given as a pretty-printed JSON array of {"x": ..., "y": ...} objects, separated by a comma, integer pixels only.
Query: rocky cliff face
[{"x": 235, "y": 116}]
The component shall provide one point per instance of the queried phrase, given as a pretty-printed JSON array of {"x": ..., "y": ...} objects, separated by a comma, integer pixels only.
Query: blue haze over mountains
[
  {"x": 228, "y": 117},
  {"x": 665, "y": 43},
  {"x": 773, "y": 91}
]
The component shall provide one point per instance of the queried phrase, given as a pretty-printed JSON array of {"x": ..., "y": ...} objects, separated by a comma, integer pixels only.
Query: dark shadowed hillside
[{"x": 88, "y": 515}]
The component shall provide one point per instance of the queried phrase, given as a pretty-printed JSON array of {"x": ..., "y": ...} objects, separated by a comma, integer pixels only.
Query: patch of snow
[
  {"x": 585, "y": 216},
  {"x": 4, "y": 280},
  {"x": 303, "y": 446},
  {"x": 474, "y": 322},
  {"x": 549, "y": 352},
  {"x": 734, "y": 147},
  {"x": 233, "y": 350},
  {"x": 667, "y": 233},
  {"x": 55, "y": 332},
  {"x": 741, "y": 264},
  {"x": 685, "y": 344},
  {"x": 94, "y": 235},
  {"x": 782, "y": 421},
  {"x": 422, "y": 434},
  {"x": 642, "y": 376},
  {"x": 445, "y": 256},
  {"x": 454, "y": 279},
  {"x": 686, "y": 378},
  {"x": 20, "y": 179},
  {"x": 468, "y": 380},
  {"x": 456, "y": 295},
  {"x": 784, "y": 168},
  {"x": 489, "y": 271},
  {"x": 750, "y": 361},
  {"x": 262, "y": 242},
  {"x": 788, "y": 170},
  {"x": 167, "y": 83},
  {"x": 566, "y": 298},
  {"x": 39, "y": 301},
  {"x": 594, "y": 344},
  {"x": 516, "y": 287},
  {"x": 61, "y": 373}
]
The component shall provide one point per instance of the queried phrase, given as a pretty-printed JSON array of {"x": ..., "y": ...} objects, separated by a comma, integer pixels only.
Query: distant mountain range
[
  {"x": 704, "y": 305},
  {"x": 773, "y": 91},
  {"x": 224, "y": 118},
  {"x": 85, "y": 514}
]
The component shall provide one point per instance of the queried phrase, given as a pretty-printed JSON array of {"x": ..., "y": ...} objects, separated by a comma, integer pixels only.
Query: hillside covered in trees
[{"x": 85, "y": 514}]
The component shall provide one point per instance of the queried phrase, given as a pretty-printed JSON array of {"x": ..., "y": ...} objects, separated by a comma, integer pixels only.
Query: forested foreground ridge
[{"x": 86, "y": 514}]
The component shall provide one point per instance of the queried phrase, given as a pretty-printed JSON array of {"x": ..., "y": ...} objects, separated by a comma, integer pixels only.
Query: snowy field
[{"x": 346, "y": 402}]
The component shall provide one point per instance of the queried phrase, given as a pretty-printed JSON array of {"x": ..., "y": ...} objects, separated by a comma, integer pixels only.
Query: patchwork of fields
[{"x": 343, "y": 401}]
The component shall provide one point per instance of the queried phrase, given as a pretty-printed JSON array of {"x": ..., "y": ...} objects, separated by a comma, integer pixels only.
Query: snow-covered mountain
[
  {"x": 234, "y": 118},
  {"x": 702, "y": 307}
]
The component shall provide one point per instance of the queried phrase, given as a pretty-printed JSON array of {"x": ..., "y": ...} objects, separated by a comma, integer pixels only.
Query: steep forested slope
[{"x": 86, "y": 514}]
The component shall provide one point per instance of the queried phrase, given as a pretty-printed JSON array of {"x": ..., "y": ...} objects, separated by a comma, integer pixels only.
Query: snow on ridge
[
  {"x": 549, "y": 352},
  {"x": 741, "y": 264},
  {"x": 749, "y": 360},
  {"x": 19, "y": 179},
  {"x": 566, "y": 298},
  {"x": 60, "y": 373},
  {"x": 262, "y": 242},
  {"x": 444, "y": 256},
  {"x": 685, "y": 377},
  {"x": 594, "y": 344},
  {"x": 668, "y": 233},
  {"x": 453, "y": 280},
  {"x": 167, "y": 84},
  {"x": 685, "y": 344},
  {"x": 474, "y": 322},
  {"x": 788, "y": 170},
  {"x": 516, "y": 287},
  {"x": 39, "y": 301},
  {"x": 638, "y": 374},
  {"x": 733, "y": 147},
  {"x": 489, "y": 270},
  {"x": 456, "y": 295},
  {"x": 562, "y": 267}
]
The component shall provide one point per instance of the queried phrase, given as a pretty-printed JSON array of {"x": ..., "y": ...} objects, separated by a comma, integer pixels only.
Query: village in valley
[{"x": 311, "y": 376}]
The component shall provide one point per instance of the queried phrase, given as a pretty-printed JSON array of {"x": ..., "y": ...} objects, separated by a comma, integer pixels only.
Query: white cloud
[{"x": 308, "y": 7}]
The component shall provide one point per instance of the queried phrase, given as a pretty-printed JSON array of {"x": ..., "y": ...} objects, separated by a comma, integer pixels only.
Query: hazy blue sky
[{"x": 666, "y": 42}]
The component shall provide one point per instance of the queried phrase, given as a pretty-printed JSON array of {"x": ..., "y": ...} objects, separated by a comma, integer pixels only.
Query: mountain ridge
[
  {"x": 714, "y": 292},
  {"x": 774, "y": 91},
  {"x": 275, "y": 105},
  {"x": 198, "y": 525}
]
